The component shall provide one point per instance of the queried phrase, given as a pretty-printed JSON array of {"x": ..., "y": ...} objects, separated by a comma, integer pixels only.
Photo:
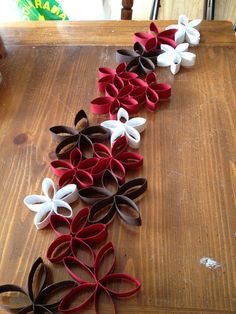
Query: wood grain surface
[
  {"x": 106, "y": 33},
  {"x": 189, "y": 147}
]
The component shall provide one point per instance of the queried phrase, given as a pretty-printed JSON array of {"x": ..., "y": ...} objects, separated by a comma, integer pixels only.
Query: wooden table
[{"x": 189, "y": 210}]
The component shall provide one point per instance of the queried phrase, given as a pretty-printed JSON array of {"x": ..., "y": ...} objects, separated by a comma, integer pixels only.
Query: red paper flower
[
  {"x": 118, "y": 77},
  {"x": 77, "y": 238},
  {"x": 113, "y": 100},
  {"x": 75, "y": 170},
  {"x": 118, "y": 159},
  {"x": 149, "y": 91},
  {"x": 154, "y": 38},
  {"x": 96, "y": 282}
]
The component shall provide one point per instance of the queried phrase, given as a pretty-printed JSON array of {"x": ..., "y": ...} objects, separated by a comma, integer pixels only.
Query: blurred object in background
[{"x": 2, "y": 49}]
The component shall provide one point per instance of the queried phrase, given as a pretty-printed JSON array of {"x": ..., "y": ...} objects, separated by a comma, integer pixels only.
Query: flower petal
[
  {"x": 182, "y": 47},
  {"x": 107, "y": 305},
  {"x": 111, "y": 124},
  {"x": 118, "y": 170},
  {"x": 60, "y": 224},
  {"x": 101, "y": 104},
  {"x": 117, "y": 134},
  {"x": 102, "y": 211},
  {"x": 82, "y": 252},
  {"x": 35, "y": 202},
  {"x": 192, "y": 36},
  {"x": 119, "y": 146},
  {"x": 42, "y": 218},
  {"x": 48, "y": 187},
  {"x": 91, "y": 195},
  {"x": 51, "y": 296},
  {"x": 59, "y": 249},
  {"x": 195, "y": 23},
  {"x": 183, "y": 19},
  {"x": 180, "y": 35},
  {"x": 164, "y": 59},
  {"x": 105, "y": 261},
  {"x": 175, "y": 65},
  {"x": 78, "y": 271},
  {"x": 130, "y": 160},
  {"x": 13, "y": 298},
  {"x": 133, "y": 137},
  {"x": 119, "y": 279},
  {"x": 167, "y": 48},
  {"x": 66, "y": 209},
  {"x": 68, "y": 193},
  {"x": 80, "y": 221},
  {"x": 133, "y": 188},
  {"x": 75, "y": 294},
  {"x": 128, "y": 210},
  {"x": 137, "y": 123},
  {"x": 59, "y": 167},
  {"x": 37, "y": 278},
  {"x": 93, "y": 234},
  {"x": 188, "y": 59}
]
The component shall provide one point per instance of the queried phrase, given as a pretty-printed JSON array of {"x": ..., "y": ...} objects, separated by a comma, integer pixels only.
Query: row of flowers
[{"x": 89, "y": 170}]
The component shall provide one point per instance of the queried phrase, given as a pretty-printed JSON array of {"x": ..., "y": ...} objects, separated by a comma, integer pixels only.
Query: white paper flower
[
  {"x": 130, "y": 128},
  {"x": 46, "y": 205},
  {"x": 176, "y": 57},
  {"x": 187, "y": 31}
]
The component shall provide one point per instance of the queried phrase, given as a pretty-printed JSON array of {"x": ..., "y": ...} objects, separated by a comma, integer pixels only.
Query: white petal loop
[
  {"x": 45, "y": 205},
  {"x": 182, "y": 47},
  {"x": 187, "y": 31},
  {"x": 48, "y": 184},
  {"x": 130, "y": 128},
  {"x": 188, "y": 59},
  {"x": 42, "y": 218},
  {"x": 35, "y": 202},
  {"x": 68, "y": 193}
]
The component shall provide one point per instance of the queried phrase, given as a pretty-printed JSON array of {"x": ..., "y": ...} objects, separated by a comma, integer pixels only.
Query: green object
[{"x": 39, "y": 10}]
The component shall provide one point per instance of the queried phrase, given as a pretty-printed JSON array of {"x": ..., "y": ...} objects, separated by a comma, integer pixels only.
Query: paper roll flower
[
  {"x": 79, "y": 136},
  {"x": 114, "y": 100},
  {"x": 118, "y": 77},
  {"x": 40, "y": 297},
  {"x": 77, "y": 238},
  {"x": 149, "y": 92},
  {"x": 114, "y": 199},
  {"x": 154, "y": 38},
  {"x": 176, "y": 57},
  {"x": 117, "y": 159},
  {"x": 138, "y": 60},
  {"x": 96, "y": 281},
  {"x": 187, "y": 31},
  {"x": 75, "y": 171},
  {"x": 46, "y": 205},
  {"x": 131, "y": 128}
]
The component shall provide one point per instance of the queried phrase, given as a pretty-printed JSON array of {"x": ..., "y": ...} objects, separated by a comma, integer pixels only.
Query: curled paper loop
[
  {"x": 176, "y": 57},
  {"x": 118, "y": 160},
  {"x": 46, "y": 205},
  {"x": 113, "y": 198},
  {"x": 75, "y": 171},
  {"x": 186, "y": 31},
  {"x": 79, "y": 136},
  {"x": 77, "y": 239},
  {"x": 149, "y": 91},
  {"x": 114, "y": 100},
  {"x": 138, "y": 60},
  {"x": 118, "y": 77},
  {"x": 154, "y": 38},
  {"x": 37, "y": 296},
  {"x": 96, "y": 282},
  {"x": 130, "y": 128}
]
